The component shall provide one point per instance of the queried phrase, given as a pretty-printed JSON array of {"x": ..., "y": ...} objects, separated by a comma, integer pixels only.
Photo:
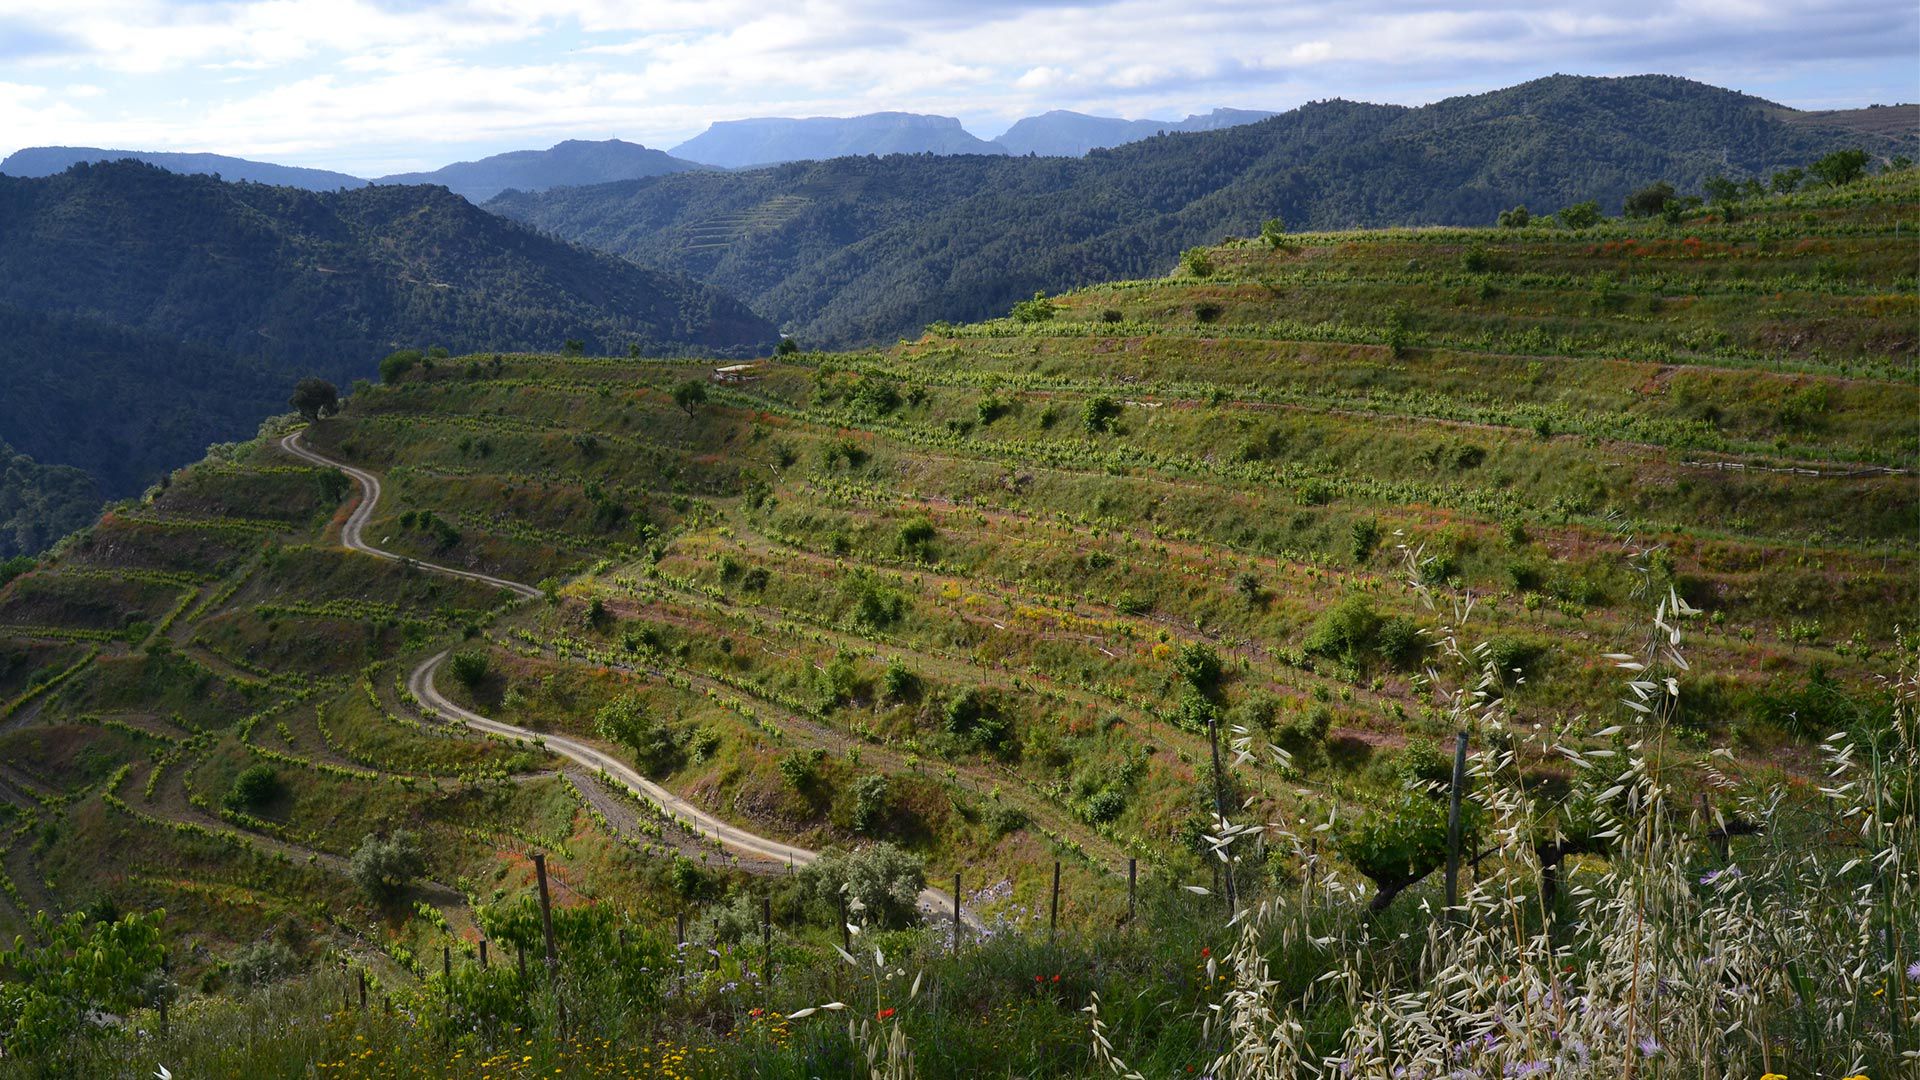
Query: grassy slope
[{"x": 759, "y": 561}]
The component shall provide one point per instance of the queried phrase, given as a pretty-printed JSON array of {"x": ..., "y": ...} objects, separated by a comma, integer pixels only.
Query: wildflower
[
  {"x": 884, "y": 1014},
  {"x": 1056, "y": 978},
  {"x": 1913, "y": 971},
  {"x": 1649, "y": 1046},
  {"x": 1205, "y": 952}
]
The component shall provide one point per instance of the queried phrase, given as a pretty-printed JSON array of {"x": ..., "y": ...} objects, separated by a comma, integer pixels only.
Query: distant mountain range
[
  {"x": 145, "y": 314},
  {"x": 739, "y": 143},
  {"x": 729, "y": 144},
  {"x": 37, "y": 161},
  {"x": 564, "y": 164},
  {"x": 858, "y": 250},
  {"x": 1069, "y": 134}
]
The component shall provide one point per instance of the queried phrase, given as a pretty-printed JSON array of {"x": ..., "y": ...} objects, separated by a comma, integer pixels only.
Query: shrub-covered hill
[
  {"x": 978, "y": 596},
  {"x": 145, "y": 314},
  {"x": 865, "y": 249}
]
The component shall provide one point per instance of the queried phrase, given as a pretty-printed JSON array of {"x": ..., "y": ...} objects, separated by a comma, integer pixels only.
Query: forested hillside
[
  {"x": 146, "y": 314},
  {"x": 41, "y": 503},
  {"x": 1148, "y": 620},
  {"x": 867, "y": 249}
]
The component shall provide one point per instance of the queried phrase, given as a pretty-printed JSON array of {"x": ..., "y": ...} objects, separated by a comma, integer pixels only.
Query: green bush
[
  {"x": 880, "y": 882},
  {"x": 1100, "y": 413},
  {"x": 1036, "y": 310},
  {"x": 385, "y": 866},
  {"x": 1198, "y": 262},
  {"x": 256, "y": 786},
  {"x": 626, "y": 721},
  {"x": 470, "y": 667}
]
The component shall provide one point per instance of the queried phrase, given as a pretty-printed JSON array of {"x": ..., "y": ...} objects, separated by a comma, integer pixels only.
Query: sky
[{"x": 377, "y": 86}]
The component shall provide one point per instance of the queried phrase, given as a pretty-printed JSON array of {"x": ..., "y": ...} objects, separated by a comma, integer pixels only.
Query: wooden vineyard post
[
  {"x": 1133, "y": 877},
  {"x": 521, "y": 952},
  {"x": 1053, "y": 915},
  {"x": 1453, "y": 824},
  {"x": 363, "y": 989},
  {"x": 446, "y": 962},
  {"x": 956, "y": 912},
  {"x": 483, "y": 952},
  {"x": 546, "y": 906},
  {"x": 846, "y": 928}
]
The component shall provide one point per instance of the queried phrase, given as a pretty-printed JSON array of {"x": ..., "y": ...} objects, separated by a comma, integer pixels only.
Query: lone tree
[
  {"x": 1274, "y": 232},
  {"x": 1583, "y": 215},
  {"x": 383, "y": 867},
  {"x": 689, "y": 394},
  {"x": 1649, "y": 201},
  {"x": 315, "y": 398},
  {"x": 1841, "y": 167}
]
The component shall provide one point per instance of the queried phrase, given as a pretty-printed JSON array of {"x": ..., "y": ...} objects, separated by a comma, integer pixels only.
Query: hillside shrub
[
  {"x": 470, "y": 667},
  {"x": 1037, "y": 309},
  {"x": 1198, "y": 262},
  {"x": 386, "y": 866},
  {"x": 626, "y": 720},
  {"x": 254, "y": 787},
  {"x": 880, "y": 882},
  {"x": 1100, "y": 414}
]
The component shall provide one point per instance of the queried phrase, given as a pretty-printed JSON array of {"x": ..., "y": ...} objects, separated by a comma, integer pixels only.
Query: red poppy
[
  {"x": 1205, "y": 952},
  {"x": 1056, "y": 978},
  {"x": 884, "y": 1014},
  {"x": 1039, "y": 978}
]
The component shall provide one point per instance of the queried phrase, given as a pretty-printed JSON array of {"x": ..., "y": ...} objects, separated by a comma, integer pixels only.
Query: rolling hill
[
  {"x": 37, "y": 161},
  {"x": 866, "y": 250},
  {"x": 1629, "y": 508},
  {"x": 146, "y": 314},
  {"x": 564, "y": 164}
]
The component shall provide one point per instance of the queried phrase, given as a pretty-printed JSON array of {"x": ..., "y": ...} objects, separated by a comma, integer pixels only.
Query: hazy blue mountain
[
  {"x": 733, "y": 144},
  {"x": 47, "y": 160},
  {"x": 565, "y": 164},
  {"x": 1062, "y": 133}
]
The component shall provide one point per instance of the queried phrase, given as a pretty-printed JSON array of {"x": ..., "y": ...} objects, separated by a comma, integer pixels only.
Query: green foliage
[
  {"x": 395, "y": 365},
  {"x": 1581, "y": 215},
  {"x": 870, "y": 803},
  {"x": 800, "y": 770},
  {"x": 1346, "y": 632},
  {"x": 386, "y": 866},
  {"x": 1037, "y": 309},
  {"x": 625, "y": 720},
  {"x": 916, "y": 536},
  {"x": 880, "y": 882},
  {"x": 470, "y": 667},
  {"x": 872, "y": 605},
  {"x": 1515, "y": 218},
  {"x": 254, "y": 787},
  {"x": 1841, "y": 167},
  {"x": 262, "y": 963},
  {"x": 976, "y": 719},
  {"x": 1197, "y": 262},
  {"x": 315, "y": 398},
  {"x": 1199, "y": 665},
  {"x": 1273, "y": 232},
  {"x": 787, "y": 347},
  {"x": 898, "y": 682},
  {"x": 1400, "y": 843},
  {"x": 1100, "y": 413},
  {"x": 1649, "y": 201},
  {"x": 1363, "y": 535},
  {"x": 71, "y": 970},
  {"x": 689, "y": 393}
]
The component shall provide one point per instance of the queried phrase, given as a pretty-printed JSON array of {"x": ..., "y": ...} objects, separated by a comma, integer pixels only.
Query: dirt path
[{"x": 420, "y": 683}]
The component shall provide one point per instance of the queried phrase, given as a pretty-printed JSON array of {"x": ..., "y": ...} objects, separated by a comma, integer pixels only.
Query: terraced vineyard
[{"x": 981, "y": 595}]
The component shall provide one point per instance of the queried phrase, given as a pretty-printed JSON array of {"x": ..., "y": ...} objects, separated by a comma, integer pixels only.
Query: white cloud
[{"x": 374, "y": 85}]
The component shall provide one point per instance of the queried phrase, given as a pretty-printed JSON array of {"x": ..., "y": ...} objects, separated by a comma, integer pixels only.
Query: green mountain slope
[
  {"x": 148, "y": 313},
  {"x": 978, "y": 595},
  {"x": 41, "y": 503},
  {"x": 858, "y": 250}
]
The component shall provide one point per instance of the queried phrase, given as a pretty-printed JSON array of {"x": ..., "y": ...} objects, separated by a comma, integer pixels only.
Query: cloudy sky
[{"x": 377, "y": 86}]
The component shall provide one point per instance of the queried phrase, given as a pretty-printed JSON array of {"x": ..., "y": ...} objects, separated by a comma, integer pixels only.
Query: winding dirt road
[
  {"x": 369, "y": 498},
  {"x": 933, "y": 902}
]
